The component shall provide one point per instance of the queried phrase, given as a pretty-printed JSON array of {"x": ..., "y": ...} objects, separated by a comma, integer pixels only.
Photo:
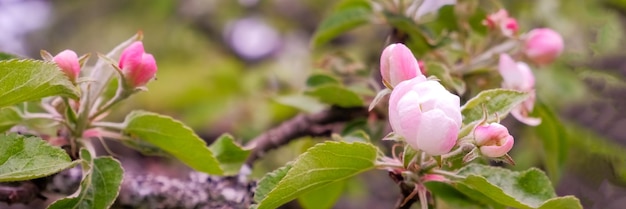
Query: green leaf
[
  {"x": 319, "y": 166},
  {"x": 5, "y": 56},
  {"x": 452, "y": 197},
  {"x": 100, "y": 185},
  {"x": 345, "y": 18},
  {"x": 440, "y": 71},
  {"x": 269, "y": 182},
  {"x": 565, "y": 202},
  {"x": 496, "y": 102},
  {"x": 23, "y": 158},
  {"x": 319, "y": 79},
  {"x": 145, "y": 148},
  {"x": 9, "y": 117},
  {"x": 336, "y": 95},
  {"x": 407, "y": 28},
  {"x": 323, "y": 198},
  {"x": 173, "y": 137},
  {"x": 554, "y": 138},
  {"x": 230, "y": 154},
  {"x": 408, "y": 155},
  {"x": 301, "y": 102},
  {"x": 526, "y": 189},
  {"x": 27, "y": 80}
]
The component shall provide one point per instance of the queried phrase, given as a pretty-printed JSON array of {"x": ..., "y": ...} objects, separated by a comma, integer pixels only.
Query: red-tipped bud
[
  {"x": 501, "y": 20},
  {"x": 137, "y": 66},
  {"x": 67, "y": 60}
]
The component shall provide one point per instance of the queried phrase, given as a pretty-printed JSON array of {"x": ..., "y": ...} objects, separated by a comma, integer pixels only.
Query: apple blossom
[
  {"x": 493, "y": 139},
  {"x": 425, "y": 114},
  {"x": 501, "y": 20},
  {"x": 137, "y": 66},
  {"x": 518, "y": 76},
  {"x": 397, "y": 64},
  {"x": 543, "y": 45},
  {"x": 67, "y": 60}
]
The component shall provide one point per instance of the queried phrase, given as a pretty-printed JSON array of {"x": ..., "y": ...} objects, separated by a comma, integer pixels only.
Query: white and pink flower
[{"x": 426, "y": 115}]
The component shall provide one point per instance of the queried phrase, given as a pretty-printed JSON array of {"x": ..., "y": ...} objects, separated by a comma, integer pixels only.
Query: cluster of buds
[
  {"x": 428, "y": 117},
  {"x": 502, "y": 22},
  {"x": 541, "y": 46},
  {"x": 137, "y": 67}
]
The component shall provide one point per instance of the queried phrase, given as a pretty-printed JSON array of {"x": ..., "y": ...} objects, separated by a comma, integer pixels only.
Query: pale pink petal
[
  {"x": 438, "y": 134},
  {"x": 410, "y": 114}
]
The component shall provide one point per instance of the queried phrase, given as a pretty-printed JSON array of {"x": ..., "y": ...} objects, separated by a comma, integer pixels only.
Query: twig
[{"x": 320, "y": 124}]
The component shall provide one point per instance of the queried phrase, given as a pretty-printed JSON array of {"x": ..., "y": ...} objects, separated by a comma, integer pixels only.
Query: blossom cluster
[{"x": 428, "y": 117}]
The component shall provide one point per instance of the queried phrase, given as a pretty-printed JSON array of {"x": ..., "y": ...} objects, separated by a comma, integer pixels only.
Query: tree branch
[{"x": 320, "y": 124}]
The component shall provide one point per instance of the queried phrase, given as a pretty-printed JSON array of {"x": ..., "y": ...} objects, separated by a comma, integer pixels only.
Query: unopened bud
[
  {"x": 543, "y": 45},
  {"x": 493, "y": 140},
  {"x": 67, "y": 60}
]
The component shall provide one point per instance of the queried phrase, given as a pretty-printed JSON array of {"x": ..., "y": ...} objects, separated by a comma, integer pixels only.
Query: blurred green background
[{"x": 222, "y": 63}]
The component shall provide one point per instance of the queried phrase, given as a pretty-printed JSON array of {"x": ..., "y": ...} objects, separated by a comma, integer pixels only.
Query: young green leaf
[
  {"x": 173, "y": 137},
  {"x": 347, "y": 16},
  {"x": 440, "y": 71},
  {"x": 451, "y": 196},
  {"x": 230, "y": 154},
  {"x": 336, "y": 95},
  {"x": 27, "y": 80},
  {"x": 496, "y": 102},
  {"x": 9, "y": 117},
  {"x": 323, "y": 198},
  {"x": 319, "y": 79},
  {"x": 99, "y": 187},
  {"x": 5, "y": 56},
  {"x": 319, "y": 166},
  {"x": 301, "y": 102},
  {"x": 526, "y": 189},
  {"x": 269, "y": 182},
  {"x": 23, "y": 158},
  {"x": 407, "y": 27},
  {"x": 553, "y": 135}
]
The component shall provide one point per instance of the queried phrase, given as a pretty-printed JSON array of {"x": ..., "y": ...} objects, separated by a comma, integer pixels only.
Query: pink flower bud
[
  {"x": 425, "y": 114},
  {"x": 398, "y": 64},
  {"x": 493, "y": 139},
  {"x": 543, "y": 45},
  {"x": 518, "y": 76},
  {"x": 67, "y": 60},
  {"x": 137, "y": 66},
  {"x": 501, "y": 20}
]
